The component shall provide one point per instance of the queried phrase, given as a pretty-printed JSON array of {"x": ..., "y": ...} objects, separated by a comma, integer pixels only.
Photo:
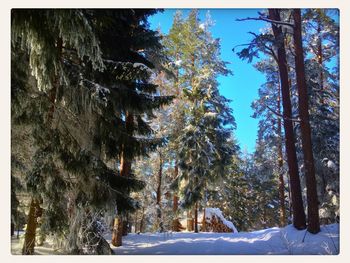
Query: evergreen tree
[
  {"x": 322, "y": 44},
  {"x": 82, "y": 105},
  {"x": 268, "y": 109},
  {"x": 202, "y": 148}
]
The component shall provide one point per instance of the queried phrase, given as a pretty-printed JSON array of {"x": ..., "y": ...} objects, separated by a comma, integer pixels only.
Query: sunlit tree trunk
[
  {"x": 176, "y": 222},
  {"x": 299, "y": 220},
  {"x": 159, "y": 194},
  {"x": 29, "y": 239},
  {"x": 189, "y": 221},
  {"x": 196, "y": 218},
  {"x": 311, "y": 193}
]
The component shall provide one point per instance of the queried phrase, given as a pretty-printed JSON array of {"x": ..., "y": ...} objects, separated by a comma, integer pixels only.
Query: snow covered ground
[
  {"x": 272, "y": 241},
  {"x": 45, "y": 249}
]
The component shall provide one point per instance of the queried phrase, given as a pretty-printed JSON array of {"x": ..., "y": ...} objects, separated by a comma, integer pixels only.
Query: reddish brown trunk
[
  {"x": 312, "y": 201},
  {"x": 189, "y": 221},
  {"x": 175, "y": 203},
  {"x": 280, "y": 164},
  {"x": 196, "y": 218},
  {"x": 159, "y": 187},
  {"x": 297, "y": 201},
  {"x": 176, "y": 224},
  {"x": 142, "y": 220},
  {"x": 125, "y": 169},
  {"x": 159, "y": 194},
  {"x": 117, "y": 232},
  {"x": 204, "y": 221},
  {"x": 29, "y": 239}
]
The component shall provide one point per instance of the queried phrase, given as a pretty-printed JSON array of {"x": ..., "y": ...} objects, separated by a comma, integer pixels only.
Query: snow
[
  {"x": 272, "y": 241},
  {"x": 329, "y": 164},
  {"x": 46, "y": 249},
  {"x": 216, "y": 212},
  {"x": 178, "y": 62},
  {"x": 210, "y": 114},
  {"x": 202, "y": 26},
  {"x": 143, "y": 67}
]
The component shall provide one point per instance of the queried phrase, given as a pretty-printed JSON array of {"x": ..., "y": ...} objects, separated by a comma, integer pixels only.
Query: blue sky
[{"x": 241, "y": 87}]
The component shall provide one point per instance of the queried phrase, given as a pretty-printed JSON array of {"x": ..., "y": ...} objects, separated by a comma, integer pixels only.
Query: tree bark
[
  {"x": 125, "y": 169},
  {"x": 12, "y": 229},
  {"x": 189, "y": 221},
  {"x": 297, "y": 201},
  {"x": 176, "y": 222},
  {"x": 29, "y": 239},
  {"x": 204, "y": 222},
  {"x": 196, "y": 218},
  {"x": 312, "y": 201},
  {"x": 280, "y": 164},
  {"x": 159, "y": 194},
  {"x": 117, "y": 232},
  {"x": 142, "y": 220}
]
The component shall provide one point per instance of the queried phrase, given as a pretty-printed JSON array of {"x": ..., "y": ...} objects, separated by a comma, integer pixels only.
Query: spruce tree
[
  {"x": 202, "y": 148},
  {"x": 79, "y": 104}
]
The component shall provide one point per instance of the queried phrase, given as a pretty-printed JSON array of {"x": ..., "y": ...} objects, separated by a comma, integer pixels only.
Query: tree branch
[
  {"x": 281, "y": 116},
  {"x": 260, "y": 18}
]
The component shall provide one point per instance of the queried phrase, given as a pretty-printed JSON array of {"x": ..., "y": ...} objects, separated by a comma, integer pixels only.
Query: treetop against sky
[{"x": 241, "y": 87}]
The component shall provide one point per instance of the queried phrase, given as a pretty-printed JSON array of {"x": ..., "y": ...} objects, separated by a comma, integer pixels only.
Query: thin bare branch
[
  {"x": 281, "y": 116},
  {"x": 266, "y": 20}
]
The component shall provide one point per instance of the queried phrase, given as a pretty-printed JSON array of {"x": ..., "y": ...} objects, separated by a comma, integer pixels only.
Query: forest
[{"x": 120, "y": 132}]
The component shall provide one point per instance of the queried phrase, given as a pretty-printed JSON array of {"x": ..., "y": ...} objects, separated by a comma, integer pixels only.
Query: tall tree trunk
[
  {"x": 189, "y": 221},
  {"x": 29, "y": 239},
  {"x": 176, "y": 222},
  {"x": 135, "y": 222},
  {"x": 196, "y": 218},
  {"x": 204, "y": 222},
  {"x": 117, "y": 231},
  {"x": 159, "y": 194},
  {"x": 125, "y": 169},
  {"x": 12, "y": 229},
  {"x": 297, "y": 201},
  {"x": 280, "y": 163},
  {"x": 312, "y": 201},
  {"x": 142, "y": 220}
]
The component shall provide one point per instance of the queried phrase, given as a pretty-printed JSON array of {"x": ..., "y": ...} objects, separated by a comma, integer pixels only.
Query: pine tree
[{"x": 274, "y": 45}]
